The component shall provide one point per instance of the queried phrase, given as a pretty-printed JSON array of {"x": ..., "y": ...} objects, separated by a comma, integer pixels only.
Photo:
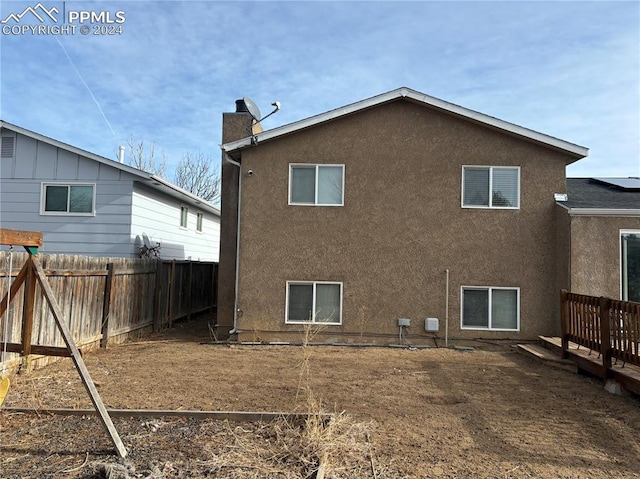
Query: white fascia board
[
  {"x": 187, "y": 196},
  {"x": 577, "y": 150},
  {"x": 603, "y": 212}
]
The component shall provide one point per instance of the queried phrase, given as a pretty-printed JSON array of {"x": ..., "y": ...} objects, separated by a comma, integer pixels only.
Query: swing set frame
[{"x": 30, "y": 275}]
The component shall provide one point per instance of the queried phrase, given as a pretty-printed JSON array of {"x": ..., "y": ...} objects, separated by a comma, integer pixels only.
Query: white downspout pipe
[
  {"x": 237, "y": 278},
  {"x": 446, "y": 312}
]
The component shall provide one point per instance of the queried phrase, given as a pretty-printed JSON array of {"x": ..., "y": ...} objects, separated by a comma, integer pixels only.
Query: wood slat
[
  {"x": 20, "y": 238},
  {"x": 238, "y": 416},
  {"x": 37, "y": 349}
]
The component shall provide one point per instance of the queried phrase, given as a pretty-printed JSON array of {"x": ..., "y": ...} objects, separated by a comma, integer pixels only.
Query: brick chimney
[{"x": 235, "y": 126}]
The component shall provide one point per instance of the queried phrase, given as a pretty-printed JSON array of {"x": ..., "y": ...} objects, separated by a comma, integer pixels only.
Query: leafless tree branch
[
  {"x": 143, "y": 157},
  {"x": 196, "y": 173}
]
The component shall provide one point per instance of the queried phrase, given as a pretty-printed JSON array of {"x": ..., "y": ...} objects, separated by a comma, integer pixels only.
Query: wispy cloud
[{"x": 568, "y": 69}]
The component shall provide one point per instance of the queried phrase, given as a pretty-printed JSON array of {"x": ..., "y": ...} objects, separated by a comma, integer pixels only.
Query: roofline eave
[
  {"x": 576, "y": 151},
  {"x": 141, "y": 176},
  {"x": 619, "y": 212}
]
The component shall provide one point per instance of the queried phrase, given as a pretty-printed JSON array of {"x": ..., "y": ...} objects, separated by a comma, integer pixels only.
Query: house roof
[
  {"x": 404, "y": 93},
  {"x": 603, "y": 196},
  {"x": 153, "y": 181}
]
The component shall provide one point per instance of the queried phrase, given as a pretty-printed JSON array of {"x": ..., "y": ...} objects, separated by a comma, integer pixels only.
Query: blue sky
[{"x": 567, "y": 69}]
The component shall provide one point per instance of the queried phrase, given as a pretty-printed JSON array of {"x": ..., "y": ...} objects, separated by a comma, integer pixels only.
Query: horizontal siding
[
  {"x": 158, "y": 216},
  {"x": 114, "y": 230},
  {"x": 108, "y": 233},
  {"x": 105, "y": 234}
]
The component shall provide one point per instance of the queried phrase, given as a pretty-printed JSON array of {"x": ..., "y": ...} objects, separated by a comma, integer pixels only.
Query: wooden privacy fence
[
  {"x": 105, "y": 299},
  {"x": 610, "y": 327}
]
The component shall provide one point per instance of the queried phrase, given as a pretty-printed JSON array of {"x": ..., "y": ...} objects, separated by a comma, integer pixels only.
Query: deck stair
[{"x": 547, "y": 352}]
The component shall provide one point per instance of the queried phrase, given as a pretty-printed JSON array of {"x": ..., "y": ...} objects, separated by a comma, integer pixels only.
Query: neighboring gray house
[{"x": 90, "y": 205}]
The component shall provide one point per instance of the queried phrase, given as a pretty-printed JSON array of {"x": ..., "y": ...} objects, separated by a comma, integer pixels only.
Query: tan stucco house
[
  {"x": 401, "y": 209},
  {"x": 601, "y": 224}
]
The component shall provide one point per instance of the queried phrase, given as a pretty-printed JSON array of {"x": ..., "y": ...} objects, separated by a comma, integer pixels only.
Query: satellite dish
[
  {"x": 249, "y": 106},
  {"x": 253, "y": 109}
]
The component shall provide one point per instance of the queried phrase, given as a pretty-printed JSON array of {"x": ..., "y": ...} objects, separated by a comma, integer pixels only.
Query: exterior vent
[{"x": 7, "y": 147}]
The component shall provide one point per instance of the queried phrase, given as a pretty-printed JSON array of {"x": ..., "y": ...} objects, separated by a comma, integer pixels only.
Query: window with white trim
[
  {"x": 630, "y": 265},
  {"x": 199, "y": 218},
  {"x": 314, "y": 302},
  {"x": 184, "y": 216},
  {"x": 494, "y": 308},
  {"x": 68, "y": 199},
  {"x": 316, "y": 185},
  {"x": 491, "y": 187}
]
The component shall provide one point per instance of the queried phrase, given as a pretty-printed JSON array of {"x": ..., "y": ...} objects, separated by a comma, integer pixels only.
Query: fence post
[
  {"x": 564, "y": 330},
  {"x": 157, "y": 317},
  {"x": 214, "y": 293},
  {"x": 190, "y": 292},
  {"x": 106, "y": 307},
  {"x": 605, "y": 335},
  {"x": 27, "y": 315},
  {"x": 172, "y": 278}
]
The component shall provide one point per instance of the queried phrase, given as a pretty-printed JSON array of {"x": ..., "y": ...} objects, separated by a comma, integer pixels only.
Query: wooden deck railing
[
  {"x": 610, "y": 327},
  {"x": 625, "y": 334}
]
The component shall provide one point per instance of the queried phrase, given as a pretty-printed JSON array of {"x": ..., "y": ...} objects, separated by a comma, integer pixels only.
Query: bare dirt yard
[{"x": 400, "y": 413}]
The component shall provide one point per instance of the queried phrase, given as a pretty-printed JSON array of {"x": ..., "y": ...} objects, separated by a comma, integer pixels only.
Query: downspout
[
  {"x": 237, "y": 278},
  {"x": 446, "y": 311}
]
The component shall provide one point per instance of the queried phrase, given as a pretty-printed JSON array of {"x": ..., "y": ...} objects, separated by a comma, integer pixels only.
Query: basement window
[
  {"x": 314, "y": 302},
  {"x": 490, "y": 308},
  {"x": 68, "y": 199}
]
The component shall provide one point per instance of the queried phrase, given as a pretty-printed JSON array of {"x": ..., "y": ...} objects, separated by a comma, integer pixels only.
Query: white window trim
[
  {"x": 489, "y": 288},
  {"x": 623, "y": 232},
  {"x": 490, "y": 207},
  {"x": 316, "y": 165},
  {"x": 43, "y": 197},
  {"x": 314, "y": 283},
  {"x": 199, "y": 217},
  {"x": 186, "y": 226}
]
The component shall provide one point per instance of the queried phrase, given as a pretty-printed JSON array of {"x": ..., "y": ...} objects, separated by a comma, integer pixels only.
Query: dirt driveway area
[{"x": 430, "y": 413}]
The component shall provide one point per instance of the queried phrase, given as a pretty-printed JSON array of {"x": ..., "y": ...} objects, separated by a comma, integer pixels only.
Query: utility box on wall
[
  {"x": 406, "y": 322},
  {"x": 431, "y": 325}
]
